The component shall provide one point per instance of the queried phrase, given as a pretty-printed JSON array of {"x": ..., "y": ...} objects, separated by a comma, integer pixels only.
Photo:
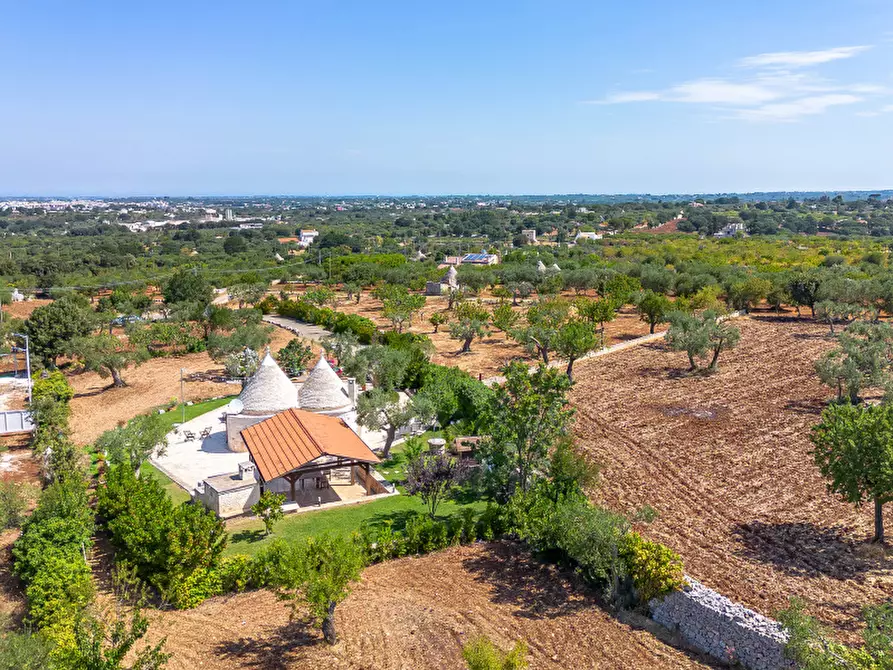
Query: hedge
[{"x": 301, "y": 310}]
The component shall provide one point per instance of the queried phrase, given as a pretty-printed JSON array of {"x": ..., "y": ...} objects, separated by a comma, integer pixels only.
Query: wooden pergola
[
  {"x": 295, "y": 444},
  {"x": 300, "y": 473}
]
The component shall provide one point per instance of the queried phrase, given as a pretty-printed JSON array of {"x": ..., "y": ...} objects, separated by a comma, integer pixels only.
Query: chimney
[
  {"x": 246, "y": 470},
  {"x": 352, "y": 390}
]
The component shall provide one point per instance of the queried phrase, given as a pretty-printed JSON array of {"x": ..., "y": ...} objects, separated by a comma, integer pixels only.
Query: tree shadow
[
  {"x": 95, "y": 392},
  {"x": 667, "y": 373},
  {"x": 804, "y": 549},
  {"x": 278, "y": 650},
  {"x": 537, "y": 589},
  {"x": 813, "y": 407},
  {"x": 771, "y": 317},
  {"x": 249, "y": 536},
  {"x": 824, "y": 335}
]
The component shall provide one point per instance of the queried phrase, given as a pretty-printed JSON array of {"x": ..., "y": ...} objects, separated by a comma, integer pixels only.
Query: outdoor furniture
[
  {"x": 206, "y": 433},
  {"x": 189, "y": 435}
]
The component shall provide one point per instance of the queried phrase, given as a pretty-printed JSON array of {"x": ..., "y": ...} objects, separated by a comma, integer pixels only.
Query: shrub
[
  {"x": 57, "y": 592},
  {"x": 235, "y": 573},
  {"x": 12, "y": 504},
  {"x": 337, "y": 322},
  {"x": 49, "y": 558},
  {"x": 189, "y": 588},
  {"x": 269, "y": 509},
  {"x": 588, "y": 536},
  {"x": 654, "y": 568},
  {"x": 176, "y": 549},
  {"x": 481, "y": 654}
]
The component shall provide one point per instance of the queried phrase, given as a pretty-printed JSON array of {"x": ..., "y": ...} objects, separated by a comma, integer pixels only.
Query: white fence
[{"x": 16, "y": 421}]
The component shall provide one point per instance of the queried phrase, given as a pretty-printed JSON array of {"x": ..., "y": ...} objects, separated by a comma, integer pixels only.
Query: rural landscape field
[{"x": 448, "y": 336}]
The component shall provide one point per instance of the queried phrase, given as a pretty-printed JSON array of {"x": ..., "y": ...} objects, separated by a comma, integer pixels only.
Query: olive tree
[
  {"x": 107, "y": 355},
  {"x": 471, "y": 322},
  {"x": 701, "y": 335}
]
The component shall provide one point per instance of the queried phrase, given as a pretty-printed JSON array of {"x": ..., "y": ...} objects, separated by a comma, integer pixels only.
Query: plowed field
[
  {"x": 725, "y": 462},
  {"x": 415, "y": 614}
]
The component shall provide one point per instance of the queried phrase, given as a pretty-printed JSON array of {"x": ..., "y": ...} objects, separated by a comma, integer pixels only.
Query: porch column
[{"x": 368, "y": 477}]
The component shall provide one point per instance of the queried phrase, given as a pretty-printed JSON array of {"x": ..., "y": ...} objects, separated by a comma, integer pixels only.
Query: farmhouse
[
  {"x": 449, "y": 282},
  {"x": 311, "y": 454},
  {"x": 586, "y": 235},
  {"x": 308, "y": 237},
  {"x": 480, "y": 259}
]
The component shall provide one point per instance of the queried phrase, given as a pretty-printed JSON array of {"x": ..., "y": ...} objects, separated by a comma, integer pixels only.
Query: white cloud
[
  {"x": 722, "y": 92},
  {"x": 629, "y": 96},
  {"x": 775, "y": 92},
  {"x": 795, "y": 109},
  {"x": 798, "y": 59}
]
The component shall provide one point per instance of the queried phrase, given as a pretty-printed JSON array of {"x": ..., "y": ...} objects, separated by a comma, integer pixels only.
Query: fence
[{"x": 16, "y": 421}]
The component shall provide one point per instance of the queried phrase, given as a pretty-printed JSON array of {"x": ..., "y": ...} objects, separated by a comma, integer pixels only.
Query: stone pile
[{"x": 725, "y": 630}]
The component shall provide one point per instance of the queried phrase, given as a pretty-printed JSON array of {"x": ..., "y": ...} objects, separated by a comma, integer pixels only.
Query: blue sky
[{"x": 344, "y": 97}]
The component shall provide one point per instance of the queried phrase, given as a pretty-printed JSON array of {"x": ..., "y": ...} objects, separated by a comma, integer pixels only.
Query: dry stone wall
[{"x": 725, "y": 630}]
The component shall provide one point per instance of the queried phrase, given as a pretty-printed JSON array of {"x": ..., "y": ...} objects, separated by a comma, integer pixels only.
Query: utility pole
[{"x": 182, "y": 398}]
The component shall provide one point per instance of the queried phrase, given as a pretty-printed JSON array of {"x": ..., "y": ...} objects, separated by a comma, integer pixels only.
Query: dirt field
[
  {"x": 23, "y": 309},
  {"x": 97, "y": 406},
  {"x": 725, "y": 462},
  {"x": 488, "y": 355},
  {"x": 415, "y": 614}
]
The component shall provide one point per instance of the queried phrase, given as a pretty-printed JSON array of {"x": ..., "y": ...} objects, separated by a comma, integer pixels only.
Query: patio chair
[
  {"x": 189, "y": 435},
  {"x": 206, "y": 432}
]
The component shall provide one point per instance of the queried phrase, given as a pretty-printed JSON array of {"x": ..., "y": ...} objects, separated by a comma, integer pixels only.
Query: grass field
[{"x": 247, "y": 536}]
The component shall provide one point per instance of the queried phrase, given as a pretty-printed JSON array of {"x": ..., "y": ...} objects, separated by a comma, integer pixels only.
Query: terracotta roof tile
[{"x": 294, "y": 438}]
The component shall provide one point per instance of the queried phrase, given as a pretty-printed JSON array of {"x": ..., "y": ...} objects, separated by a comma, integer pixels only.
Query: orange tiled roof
[{"x": 293, "y": 438}]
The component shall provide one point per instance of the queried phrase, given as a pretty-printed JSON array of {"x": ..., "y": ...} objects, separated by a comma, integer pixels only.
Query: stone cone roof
[
  {"x": 323, "y": 391},
  {"x": 269, "y": 390},
  {"x": 451, "y": 278},
  {"x": 555, "y": 267},
  {"x": 540, "y": 267}
]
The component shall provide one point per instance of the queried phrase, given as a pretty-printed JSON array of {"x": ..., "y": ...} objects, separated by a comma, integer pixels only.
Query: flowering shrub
[{"x": 654, "y": 568}]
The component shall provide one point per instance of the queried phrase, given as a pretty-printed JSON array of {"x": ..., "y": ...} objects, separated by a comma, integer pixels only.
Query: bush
[
  {"x": 57, "y": 593},
  {"x": 12, "y": 504},
  {"x": 329, "y": 319},
  {"x": 235, "y": 573},
  {"x": 481, "y": 654},
  {"x": 655, "y": 569},
  {"x": 175, "y": 549},
  {"x": 49, "y": 558}
]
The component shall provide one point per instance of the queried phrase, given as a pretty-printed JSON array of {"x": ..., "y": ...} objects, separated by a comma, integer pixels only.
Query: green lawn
[
  {"x": 247, "y": 537},
  {"x": 174, "y": 490},
  {"x": 176, "y": 415}
]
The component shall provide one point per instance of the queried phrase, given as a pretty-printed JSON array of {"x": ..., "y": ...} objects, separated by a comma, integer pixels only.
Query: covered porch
[{"x": 313, "y": 460}]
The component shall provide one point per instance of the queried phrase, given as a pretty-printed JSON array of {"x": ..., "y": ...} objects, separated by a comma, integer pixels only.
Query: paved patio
[{"x": 188, "y": 462}]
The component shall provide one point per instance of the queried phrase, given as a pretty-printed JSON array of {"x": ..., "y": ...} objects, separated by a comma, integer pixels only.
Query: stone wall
[{"x": 727, "y": 631}]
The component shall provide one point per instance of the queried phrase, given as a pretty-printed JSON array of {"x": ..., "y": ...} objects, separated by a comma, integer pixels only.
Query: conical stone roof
[
  {"x": 451, "y": 278},
  {"x": 540, "y": 266},
  {"x": 269, "y": 390},
  {"x": 323, "y": 391}
]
